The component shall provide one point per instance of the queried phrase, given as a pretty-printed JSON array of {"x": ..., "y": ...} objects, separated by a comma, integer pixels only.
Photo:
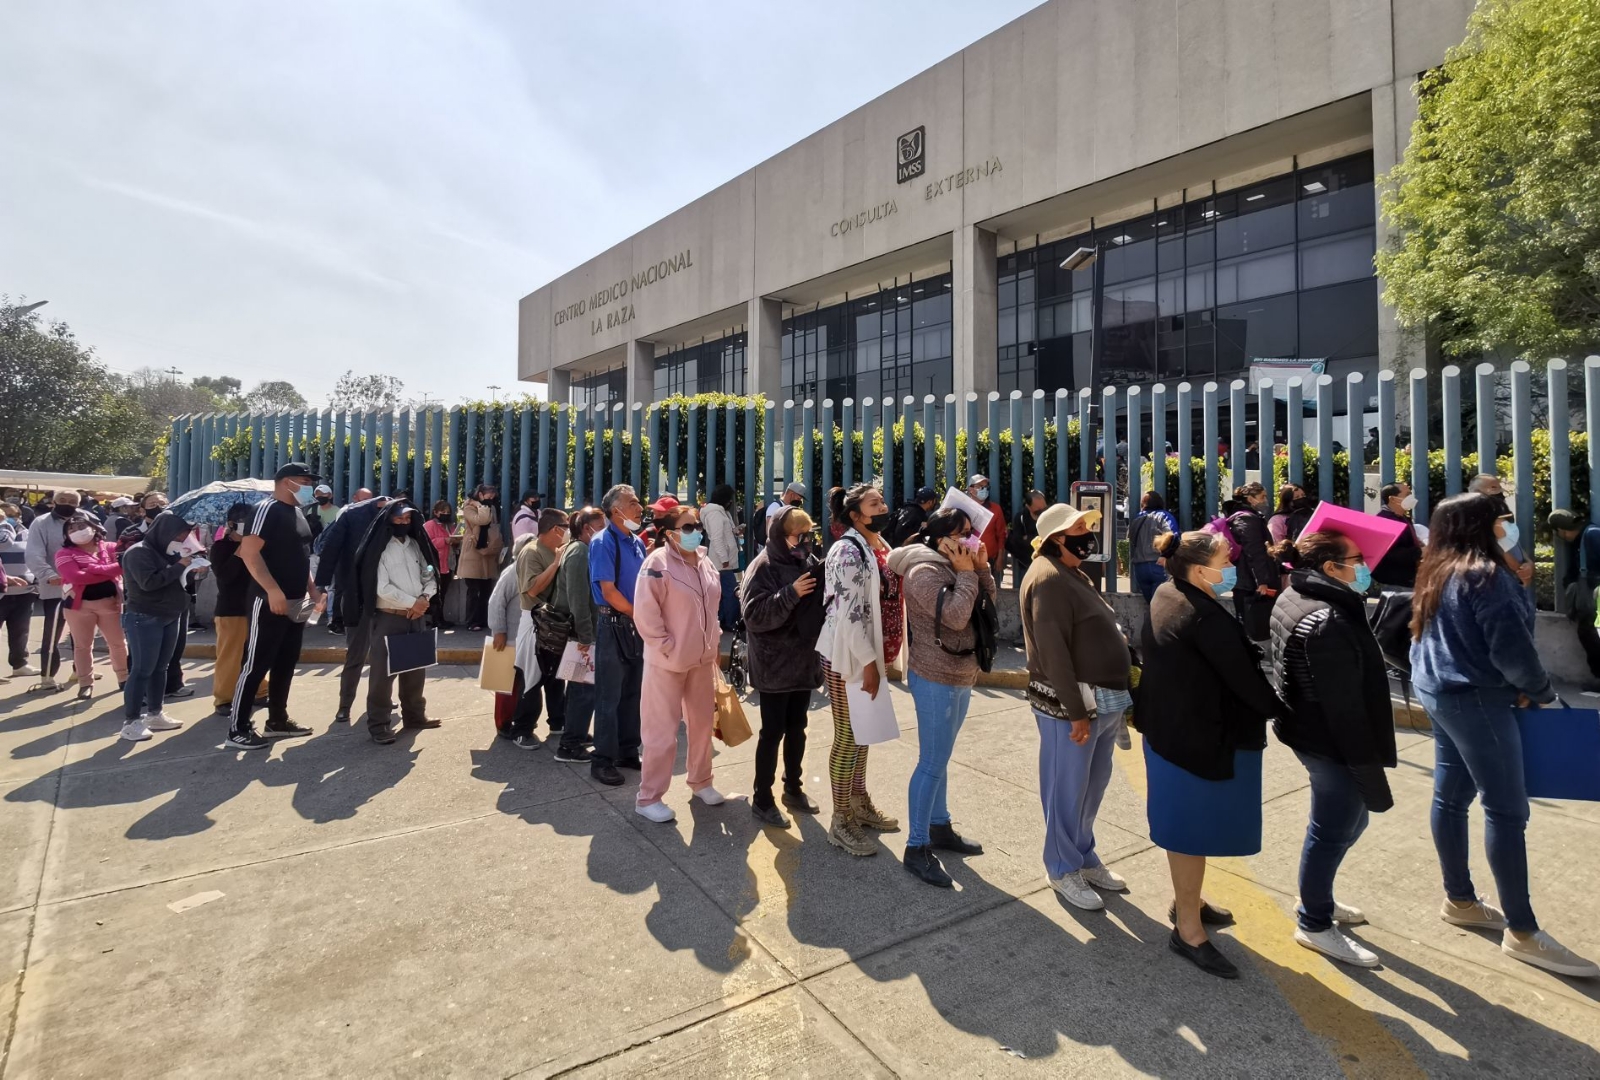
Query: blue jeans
[
  {"x": 728, "y": 607},
  {"x": 1338, "y": 818},
  {"x": 1477, "y": 749},
  {"x": 617, "y": 684},
  {"x": 940, "y": 710},
  {"x": 1072, "y": 782},
  {"x": 151, "y": 641},
  {"x": 1147, "y": 578}
]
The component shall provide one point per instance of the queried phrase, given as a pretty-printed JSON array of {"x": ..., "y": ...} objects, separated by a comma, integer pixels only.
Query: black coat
[
  {"x": 1202, "y": 694},
  {"x": 782, "y": 625},
  {"x": 1399, "y": 564},
  {"x": 1333, "y": 676},
  {"x": 1256, "y": 566},
  {"x": 336, "y": 554},
  {"x": 364, "y": 592}
]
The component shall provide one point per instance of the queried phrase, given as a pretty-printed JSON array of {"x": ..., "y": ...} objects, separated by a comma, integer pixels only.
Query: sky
[{"x": 288, "y": 190}]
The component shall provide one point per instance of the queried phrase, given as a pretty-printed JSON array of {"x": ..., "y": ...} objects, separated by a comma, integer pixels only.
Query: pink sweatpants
[
  {"x": 82, "y": 620},
  {"x": 664, "y": 697}
]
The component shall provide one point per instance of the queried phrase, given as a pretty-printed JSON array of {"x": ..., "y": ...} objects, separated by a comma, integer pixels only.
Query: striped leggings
[{"x": 847, "y": 762}]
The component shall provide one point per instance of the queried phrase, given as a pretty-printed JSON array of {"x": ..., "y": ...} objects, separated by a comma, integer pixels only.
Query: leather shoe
[
  {"x": 342, "y": 716},
  {"x": 630, "y": 763},
  {"x": 923, "y": 863},
  {"x": 769, "y": 815},
  {"x": 605, "y": 774},
  {"x": 1209, "y": 915},
  {"x": 798, "y": 800},
  {"x": 945, "y": 838},
  {"x": 383, "y": 736},
  {"x": 423, "y": 723},
  {"x": 1204, "y": 956}
]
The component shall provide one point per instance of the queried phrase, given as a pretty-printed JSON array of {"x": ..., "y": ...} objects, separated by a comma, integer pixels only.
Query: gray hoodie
[
  {"x": 46, "y": 536},
  {"x": 152, "y": 580}
]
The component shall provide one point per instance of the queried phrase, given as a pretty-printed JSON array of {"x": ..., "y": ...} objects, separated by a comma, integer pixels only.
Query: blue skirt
[{"x": 1192, "y": 816}]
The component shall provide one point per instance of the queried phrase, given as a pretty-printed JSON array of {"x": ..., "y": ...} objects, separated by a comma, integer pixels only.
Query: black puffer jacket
[
  {"x": 783, "y": 625},
  {"x": 1332, "y": 674},
  {"x": 1256, "y": 565}
]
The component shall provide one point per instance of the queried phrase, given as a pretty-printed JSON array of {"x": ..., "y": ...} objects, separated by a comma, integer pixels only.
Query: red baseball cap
[{"x": 663, "y": 504}]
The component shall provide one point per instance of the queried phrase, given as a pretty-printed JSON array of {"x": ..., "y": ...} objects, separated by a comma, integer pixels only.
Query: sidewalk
[{"x": 450, "y": 904}]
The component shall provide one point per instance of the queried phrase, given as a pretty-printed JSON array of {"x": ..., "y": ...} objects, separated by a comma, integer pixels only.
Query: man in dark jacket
[
  {"x": 1019, "y": 538},
  {"x": 1259, "y": 573},
  {"x": 908, "y": 522},
  {"x": 232, "y": 616},
  {"x": 1398, "y": 567},
  {"x": 781, "y": 602},
  {"x": 336, "y": 564},
  {"x": 1582, "y": 578},
  {"x": 397, "y": 571}
]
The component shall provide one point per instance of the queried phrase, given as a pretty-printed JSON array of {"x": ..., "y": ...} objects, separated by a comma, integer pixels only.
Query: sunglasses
[{"x": 690, "y": 528}]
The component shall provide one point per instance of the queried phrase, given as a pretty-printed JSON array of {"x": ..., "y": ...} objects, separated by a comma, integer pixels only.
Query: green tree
[
  {"x": 64, "y": 411},
  {"x": 1497, "y": 200},
  {"x": 366, "y": 392},
  {"x": 274, "y": 395},
  {"x": 225, "y": 388}
]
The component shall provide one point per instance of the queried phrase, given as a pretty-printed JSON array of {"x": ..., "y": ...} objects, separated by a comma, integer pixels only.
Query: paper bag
[
  {"x": 576, "y": 665},
  {"x": 731, "y": 726},
  {"x": 497, "y": 670}
]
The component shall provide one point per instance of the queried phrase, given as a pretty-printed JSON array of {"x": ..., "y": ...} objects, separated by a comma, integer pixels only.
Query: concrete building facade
[{"x": 1138, "y": 191}]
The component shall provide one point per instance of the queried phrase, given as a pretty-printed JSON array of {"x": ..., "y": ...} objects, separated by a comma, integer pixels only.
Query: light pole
[{"x": 174, "y": 372}]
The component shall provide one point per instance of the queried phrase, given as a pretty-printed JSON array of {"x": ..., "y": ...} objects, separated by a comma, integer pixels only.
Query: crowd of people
[{"x": 644, "y": 594}]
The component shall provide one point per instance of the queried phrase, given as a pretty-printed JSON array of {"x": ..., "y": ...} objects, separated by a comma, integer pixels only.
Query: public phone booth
[{"x": 1097, "y": 495}]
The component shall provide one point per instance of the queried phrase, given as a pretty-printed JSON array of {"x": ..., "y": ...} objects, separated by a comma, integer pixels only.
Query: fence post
[
  {"x": 749, "y": 485},
  {"x": 826, "y": 435},
  {"x": 786, "y": 445},
  {"x": 808, "y": 429},
  {"x": 888, "y": 446},
  {"x": 1085, "y": 436},
  {"x": 636, "y": 442},
  {"x": 1266, "y": 436},
  {"x": 1522, "y": 447},
  {"x": 868, "y": 421},
  {"x": 1063, "y": 442},
  {"x": 358, "y": 438},
  {"x": 712, "y": 414},
  {"x": 1108, "y": 452},
  {"x": 1185, "y": 455},
  {"x": 419, "y": 462},
  {"x": 1296, "y": 433},
  {"x": 1325, "y": 437},
  {"x": 847, "y": 436},
  {"x": 950, "y": 462},
  {"x": 1358, "y": 468},
  {"x": 1208, "y": 432},
  {"x": 469, "y": 452},
  {"x": 969, "y": 460},
  {"x": 1237, "y": 395},
  {"x": 908, "y": 449},
  {"x": 730, "y": 429},
  {"x": 510, "y": 493},
  {"x": 691, "y": 482},
  {"x": 386, "y": 428},
  {"x": 1419, "y": 442},
  {"x": 436, "y": 484},
  {"x": 769, "y": 459},
  {"x": 1386, "y": 422},
  {"x": 930, "y": 443},
  {"x": 993, "y": 468},
  {"x": 1038, "y": 459},
  {"x": 652, "y": 460},
  {"x": 580, "y": 462},
  {"x": 559, "y": 452},
  {"x": 617, "y": 427},
  {"x": 1560, "y": 465},
  {"x": 1450, "y": 396},
  {"x": 1487, "y": 435},
  {"x": 525, "y": 477},
  {"x": 174, "y": 444},
  {"x": 600, "y": 411},
  {"x": 402, "y": 467},
  {"x": 1135, "y": 455},
  {"x": 670, "y": 481},
  {"x": 1014, "y": 481},
  {"x": 1591, "y": 425},
  {"x": 1158, "y": 440}
]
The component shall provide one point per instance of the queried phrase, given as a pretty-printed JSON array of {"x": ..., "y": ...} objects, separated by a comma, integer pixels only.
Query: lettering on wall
[
  {"x": 621, "y": 288},
  {"x": 961, "y": 179},
  {"x": 864, "y": 218}
]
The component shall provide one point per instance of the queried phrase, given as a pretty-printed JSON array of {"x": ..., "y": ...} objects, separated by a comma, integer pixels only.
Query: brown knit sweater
[
  {"x": 925, "y": 572},
  {"x": 1072, "y": 637}
]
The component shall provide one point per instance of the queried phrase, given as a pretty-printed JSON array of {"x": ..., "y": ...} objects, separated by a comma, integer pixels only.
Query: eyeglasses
[{"x": 689, "y": 528}]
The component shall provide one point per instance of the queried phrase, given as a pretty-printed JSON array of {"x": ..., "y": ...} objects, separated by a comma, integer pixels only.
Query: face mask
[
  {"x": 1409, "y": 503},
  {"x": 632, "y": 526},
  {"x": 982, "y": 495},
  {"x": 81, "y": 536},
  {"x": 324, "y": 500},
  {"x": 400, "y": 531},
  {"x": 689, "y": 538},
  {"x": 304, "y": 495},
  {"x": 1301, "y": 503},
  {"x": 1363, "y": 579},
  {"x": 1230, "y": 578},
  {"x": 441, "y": 517},
  {"x": 1080, "y": 546},
  {"x": 65, "y": 512},
  {"x": 971, "y": 542},
  {"x": 192, "y": 545},
  {"x": 879, "y": 522},
  {"x": 1509, "y": 540}
]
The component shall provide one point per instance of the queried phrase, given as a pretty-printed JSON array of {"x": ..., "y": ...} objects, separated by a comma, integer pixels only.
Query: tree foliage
[
  {"x": 1497, "y": 200},
  {"x": 366, "y": 392},
  {"x": 274, "y": 395},
  {"x": 64, "y": 412}
]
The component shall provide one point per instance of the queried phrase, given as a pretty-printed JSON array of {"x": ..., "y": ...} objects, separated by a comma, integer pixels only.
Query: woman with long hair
[
  {"x": 862, "y": 628},
  {"x": 1293, "y": 511},
  {"x": 440, "y": 528},
  {"x": 1202, "y": 705},
  {"x": 1332, "y": 675},
  {"x": 91, "y": 598},
  {"x": 1473, "y": 662},
  {"x": 1260, "y": 575}
]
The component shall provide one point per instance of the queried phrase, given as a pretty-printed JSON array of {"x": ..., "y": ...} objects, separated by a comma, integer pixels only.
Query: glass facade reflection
[
  {"x": 1282, "y": 268},
  {"x": 600, "y": 388},
  {"x": 893, "y": 342},
  {"x": 706, "y": 368}
]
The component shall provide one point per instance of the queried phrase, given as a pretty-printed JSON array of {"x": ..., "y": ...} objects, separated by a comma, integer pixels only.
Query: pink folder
[{"x": 1373, "y": 535}]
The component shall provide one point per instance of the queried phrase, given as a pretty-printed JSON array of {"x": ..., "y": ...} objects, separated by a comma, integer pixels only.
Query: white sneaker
[
  {"x": 25, "y": 669},
  {"x": 1343, "y": 913},
  {"x": 1480, "y": 915},
  {"x": 1543, "y": 951},
  {"x": 1076, "y": 892},
  {"x": 710, "y": 796},
  {"x": 162, "y": 722},
  {"x": 1337, "y": 945},
  {"x": 135, "y": 731},
  {"x": 658, "y": 812},
  {"x": 1103, "y": 877}
]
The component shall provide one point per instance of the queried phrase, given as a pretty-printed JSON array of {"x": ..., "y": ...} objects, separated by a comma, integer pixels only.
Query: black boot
[
  {"x": 945, "y": 838},
  {"x": 922, "y": 862}
]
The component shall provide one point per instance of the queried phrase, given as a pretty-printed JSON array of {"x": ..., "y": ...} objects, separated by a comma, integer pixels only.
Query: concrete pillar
[
  {"x": 558, "y": 390},
  {"x": 975, "y": 287},
  {"x": 641, "y": 363},
  {"x": 1394, "y": 108},
  {"x": 764, "y": 348}
]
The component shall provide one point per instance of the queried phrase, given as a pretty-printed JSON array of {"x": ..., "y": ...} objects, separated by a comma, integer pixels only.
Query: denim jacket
[{"x": 1481, "y": 638}]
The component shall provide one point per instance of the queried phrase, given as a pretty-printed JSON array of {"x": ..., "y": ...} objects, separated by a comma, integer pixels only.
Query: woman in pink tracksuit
[
  {"x": 675, "y": 610},
  {"x": 93, "y": 599}
]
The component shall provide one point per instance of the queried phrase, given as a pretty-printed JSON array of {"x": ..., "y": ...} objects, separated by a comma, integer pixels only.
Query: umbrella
[{"x": 209, "y": 505}]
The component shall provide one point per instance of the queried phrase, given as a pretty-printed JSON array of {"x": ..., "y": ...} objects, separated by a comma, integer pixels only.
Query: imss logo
[{"x": 910, "y": 158}]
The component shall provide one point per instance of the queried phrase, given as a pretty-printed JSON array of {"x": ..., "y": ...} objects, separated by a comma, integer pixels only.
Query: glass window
[
  {"x": 1251, "y": 331},
  {"x": 1346, "y": 257},
  {"x": 1255, "y": 218},
  {"x": 1251, "y": 276},
  {"x": 1340, "y": 322},
  {"x": 1337, "y": 197},
  {"x": 1129, "y": 250}
]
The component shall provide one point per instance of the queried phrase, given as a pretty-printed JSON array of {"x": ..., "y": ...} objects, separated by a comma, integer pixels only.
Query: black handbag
[
  {"x": 553, "y": 626},
  {"x": 1391, "y": 625},
  {"x": 985, "y": 626}
]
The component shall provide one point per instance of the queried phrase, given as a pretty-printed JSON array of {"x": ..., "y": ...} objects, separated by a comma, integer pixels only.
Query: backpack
[
  {"x": 1391, "y": 625},
  {"x": 1219, "y": 525},
  {"x": 985, "y": 626}
]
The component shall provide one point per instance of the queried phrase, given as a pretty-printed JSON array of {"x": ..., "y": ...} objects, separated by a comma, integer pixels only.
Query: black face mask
[
  {"x": 1080, "y": 547},
  {"x": 400, "y": 531},
  {"x": 879, "y": 522},
  {"x": 1301, "y": 503},
  {"x": 324, "y": 500},
  {"x": 65, "y": 512},
  {"x": 441, "y": 517}
]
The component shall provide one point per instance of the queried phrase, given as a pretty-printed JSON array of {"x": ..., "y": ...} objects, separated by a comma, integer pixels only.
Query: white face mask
[
  {"x": 633, "y": 526},
  {"x": 81, "y": 536},
  {"x": 1409, "y": 503}
]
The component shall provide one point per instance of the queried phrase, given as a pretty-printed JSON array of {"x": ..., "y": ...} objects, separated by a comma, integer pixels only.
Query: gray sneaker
[
  {"x": 1543, "y": 951},
  {"x": 1076, "y": 891}
]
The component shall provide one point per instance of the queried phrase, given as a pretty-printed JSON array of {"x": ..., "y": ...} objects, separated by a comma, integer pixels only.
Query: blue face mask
[
  {"x": 1230, "y": 578},
  {"x": 689, "y": 540},
  {"x": 1363, "y": 580},
  {"x": 1509, "y": 540},
  {"x": 305, "y": 495},
  {"x": 983, "y": 495}
]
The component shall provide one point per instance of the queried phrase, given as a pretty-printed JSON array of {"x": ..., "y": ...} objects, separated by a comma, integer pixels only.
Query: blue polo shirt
[{"x": 615, "y": 556}]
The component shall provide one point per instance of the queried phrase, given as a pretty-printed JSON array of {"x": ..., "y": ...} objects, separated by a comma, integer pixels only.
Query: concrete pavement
[{"x": 451, "y": 905}]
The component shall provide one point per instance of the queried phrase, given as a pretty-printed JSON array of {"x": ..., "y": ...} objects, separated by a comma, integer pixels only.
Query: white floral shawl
[{"x": 852, "y": 628}]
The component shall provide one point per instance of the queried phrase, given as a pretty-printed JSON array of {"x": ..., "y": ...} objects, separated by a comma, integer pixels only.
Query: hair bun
[{"x": 1166, "y": 544}]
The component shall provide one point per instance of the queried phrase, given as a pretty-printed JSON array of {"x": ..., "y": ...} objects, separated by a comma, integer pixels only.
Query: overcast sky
[{"x": 290, "y": 189}]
